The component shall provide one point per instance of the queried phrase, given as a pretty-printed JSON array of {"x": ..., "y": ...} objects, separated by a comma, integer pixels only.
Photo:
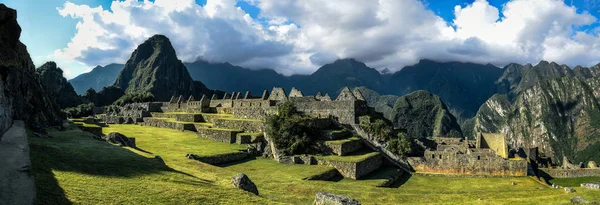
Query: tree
[
  {"x": 400, "y": 145},
  {"x": 290, "y": 132}
]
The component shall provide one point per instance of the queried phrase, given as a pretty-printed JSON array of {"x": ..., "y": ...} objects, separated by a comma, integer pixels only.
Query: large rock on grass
[
  {"x": 120, "y": 139},
  {"x": 241, "y": 181},
  {"x": 324, "y": 198}
]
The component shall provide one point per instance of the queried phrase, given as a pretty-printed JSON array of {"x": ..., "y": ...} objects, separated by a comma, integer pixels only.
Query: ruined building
[{"x": 487, "y": 155}]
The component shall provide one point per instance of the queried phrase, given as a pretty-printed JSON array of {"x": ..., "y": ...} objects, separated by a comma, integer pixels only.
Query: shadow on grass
[
  {"x": 141, "y": 150},
  {"x": 401, "y": 181},
  {"x": 387, "y": 172},
  {"x": 247, "y": 159},
  {"x": 78, "y": 152}
]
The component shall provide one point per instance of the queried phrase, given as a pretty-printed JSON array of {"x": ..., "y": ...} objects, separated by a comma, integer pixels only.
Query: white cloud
[{"x": 299, "y": 36}]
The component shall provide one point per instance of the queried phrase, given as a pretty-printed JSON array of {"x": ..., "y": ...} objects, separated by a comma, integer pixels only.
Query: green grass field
[{"x": 74, "y": 168}]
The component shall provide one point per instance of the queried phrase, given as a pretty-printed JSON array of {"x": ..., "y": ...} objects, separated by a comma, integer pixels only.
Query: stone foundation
[
  {"x": 464, "y": 165},
  {"x": 246, "y": 125},
  {"x": 94, "y": 130},
  {"x": 189, "y": 118},
  {"x": 219, "y": 135},
  {"x": 572, "y": 173},
  {"x": 344, "y": 148},
  {"x": 161, "y": 123},
  {"x": 355, "y": 170}
]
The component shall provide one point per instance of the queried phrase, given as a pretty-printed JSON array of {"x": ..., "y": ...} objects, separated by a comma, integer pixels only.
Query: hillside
[
  {"x": 22, "y": 96},
  {"x": 99, "y": 77},
  {"x": 57, "y": 86},
  {"x": 560, "y": 116},
  {"x": 154, "y": 67}
]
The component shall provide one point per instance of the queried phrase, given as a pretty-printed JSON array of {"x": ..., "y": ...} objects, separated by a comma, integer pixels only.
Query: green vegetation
[
  {"x": 134, "y": 98},
  {"x": 74, "y": 168},
  {"x": 290, "y": 132},
  {"x": 380, "y": 128},
  {"x": 352, "y": 157},
  {"x": 339, "y": 142},
  {"x": 82, "y": 110},
  {"x": 401, "y": 145},
  {"x": 574, "y": 182}
]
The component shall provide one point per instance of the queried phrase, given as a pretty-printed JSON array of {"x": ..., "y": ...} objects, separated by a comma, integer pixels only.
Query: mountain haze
[{"x": 99, "y": 77}]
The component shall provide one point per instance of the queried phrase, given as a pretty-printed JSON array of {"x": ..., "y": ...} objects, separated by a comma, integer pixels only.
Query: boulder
[
  {"x": 569, "y": 190},
  {"x": 118, "y": 138},
  {"x": 241, "y": 181},
  {"x": 592, "y": 164},
  {"x": 324, "y": 198},
  {"x": 578, "y": 200}
]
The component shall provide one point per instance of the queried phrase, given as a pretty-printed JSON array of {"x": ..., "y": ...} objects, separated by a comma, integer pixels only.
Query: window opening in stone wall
[{"x": 478, "y": 157}]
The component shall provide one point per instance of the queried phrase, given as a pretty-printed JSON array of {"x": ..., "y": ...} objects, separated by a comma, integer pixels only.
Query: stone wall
[
  {"x": 153, "y": 122},
  {"x": 355, "y": 170},
  {"x": 113, "y": 119},
  {"x": 94, "y": 130},
  {"x": 189, "y": 118},
  {"x": 344, "y": 148},
  {"x": 571, "y": 173},
  {"x": 494, "y": 141},
  {"x": 477, "y": 163},
  {"x": 220, "y": 135},
  {"x": 246, "y": 125},
  {"x": 253, "y": 113},
  {"x": 220, "y": 158}
]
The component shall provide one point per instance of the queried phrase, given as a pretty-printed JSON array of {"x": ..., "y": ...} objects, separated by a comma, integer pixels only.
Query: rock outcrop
[
  {"x": 154, "y": 67},
  {"x": 324, "y": 198},
  {"x": 57, "y": 86},
  {"x": 22, "y": 97},
  {"x": 560, "y": 116},
  {"x": 241, "y": 181},
  {"x": 120, "y": 139}
]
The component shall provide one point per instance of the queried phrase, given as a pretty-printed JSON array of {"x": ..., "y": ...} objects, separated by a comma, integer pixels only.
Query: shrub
[
  {"x": 290, "y": 132},
  {"x": 400, "y": 145},
  {"x": 134, "y": 98},
  {"x": 80, "y": 111},
  {"x": 379, "y": 128}
]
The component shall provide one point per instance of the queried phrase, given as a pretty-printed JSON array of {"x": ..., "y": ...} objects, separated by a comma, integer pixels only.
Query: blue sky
[{"x": 298, "y": 37}]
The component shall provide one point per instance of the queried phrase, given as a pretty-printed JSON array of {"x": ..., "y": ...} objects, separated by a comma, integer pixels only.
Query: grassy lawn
[
  {"x": 339, "y": 142},
  {"x": 73, "y": 168},
  {"x": 352, "y": 157},
  {"x": 572, "y": 182}
]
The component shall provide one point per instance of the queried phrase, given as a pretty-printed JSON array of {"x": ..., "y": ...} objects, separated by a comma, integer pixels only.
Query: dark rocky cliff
[
  {"x": 57, "y": 86},
  {"x": 153, "y": 67},
  {"x": 22, "y": 96}
]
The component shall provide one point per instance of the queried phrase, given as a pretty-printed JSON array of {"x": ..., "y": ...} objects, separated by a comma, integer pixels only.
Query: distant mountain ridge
[
  {"x": 99, "y": 77},
  {"x": 463, "y": 87}
]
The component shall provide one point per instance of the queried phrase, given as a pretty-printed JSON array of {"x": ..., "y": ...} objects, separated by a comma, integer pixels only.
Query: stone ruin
[
  {"x": 487, "y": 155},
  {"x": 344, "y": 109}
]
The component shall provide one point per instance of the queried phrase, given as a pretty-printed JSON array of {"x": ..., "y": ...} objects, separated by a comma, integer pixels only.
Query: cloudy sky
[{"x": 300, "y": 36}]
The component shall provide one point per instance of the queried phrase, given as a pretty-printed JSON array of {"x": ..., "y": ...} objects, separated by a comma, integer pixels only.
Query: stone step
[
  {"x": 354, "y": 165},
  {"x": 248, "y": 125},
  {"x": 219, "y": 134},
  {"x": 345, "y": 146},
  {"x": 249, "y": 137},
  {"x": 191, "y": 117}
]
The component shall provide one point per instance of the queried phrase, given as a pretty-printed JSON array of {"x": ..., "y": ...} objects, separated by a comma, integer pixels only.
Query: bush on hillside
[
  {"x": 402, "y": 145},
  {"x": 80, "y": 111},
  {"x": 134, "y": 98},
  {"x": 290, "y": 132}
]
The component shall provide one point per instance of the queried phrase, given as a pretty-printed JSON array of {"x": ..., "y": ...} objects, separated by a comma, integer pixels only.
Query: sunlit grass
[{"x": 73, "y": 167}]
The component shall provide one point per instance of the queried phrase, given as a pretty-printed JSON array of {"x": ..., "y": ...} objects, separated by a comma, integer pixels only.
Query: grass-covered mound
[{"x": 74, "y": 168}]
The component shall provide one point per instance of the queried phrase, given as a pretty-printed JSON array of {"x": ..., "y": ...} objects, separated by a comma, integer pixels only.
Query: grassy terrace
[
  {"x": 244, "y": 119},
  {"x": 573, "y": 182},
  {"x": 73, "y": 168},
  {"x": 339, "y": 142},
  {"x": 352, "y": 157},
  {"x": 86, "y": 125}
]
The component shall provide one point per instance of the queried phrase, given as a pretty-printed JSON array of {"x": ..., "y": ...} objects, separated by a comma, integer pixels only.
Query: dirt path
[{"x": 16, "y": 182}]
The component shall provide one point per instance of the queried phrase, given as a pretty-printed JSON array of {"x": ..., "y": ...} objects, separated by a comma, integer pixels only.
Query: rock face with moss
[
  {"x": 57, "y": 86},
  {"x": 22, "y": 96},
  {"x": 154, "y": 67},
  {"x": 560, "y": 116}
]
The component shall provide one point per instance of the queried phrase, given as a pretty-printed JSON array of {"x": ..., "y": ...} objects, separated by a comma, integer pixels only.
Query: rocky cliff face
[
  {"x": 57, "y": 86},
  {"x": 560, "y": 116},
  {"x": 21, "y": 94},
  {"x": 154, "y": 67}
]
